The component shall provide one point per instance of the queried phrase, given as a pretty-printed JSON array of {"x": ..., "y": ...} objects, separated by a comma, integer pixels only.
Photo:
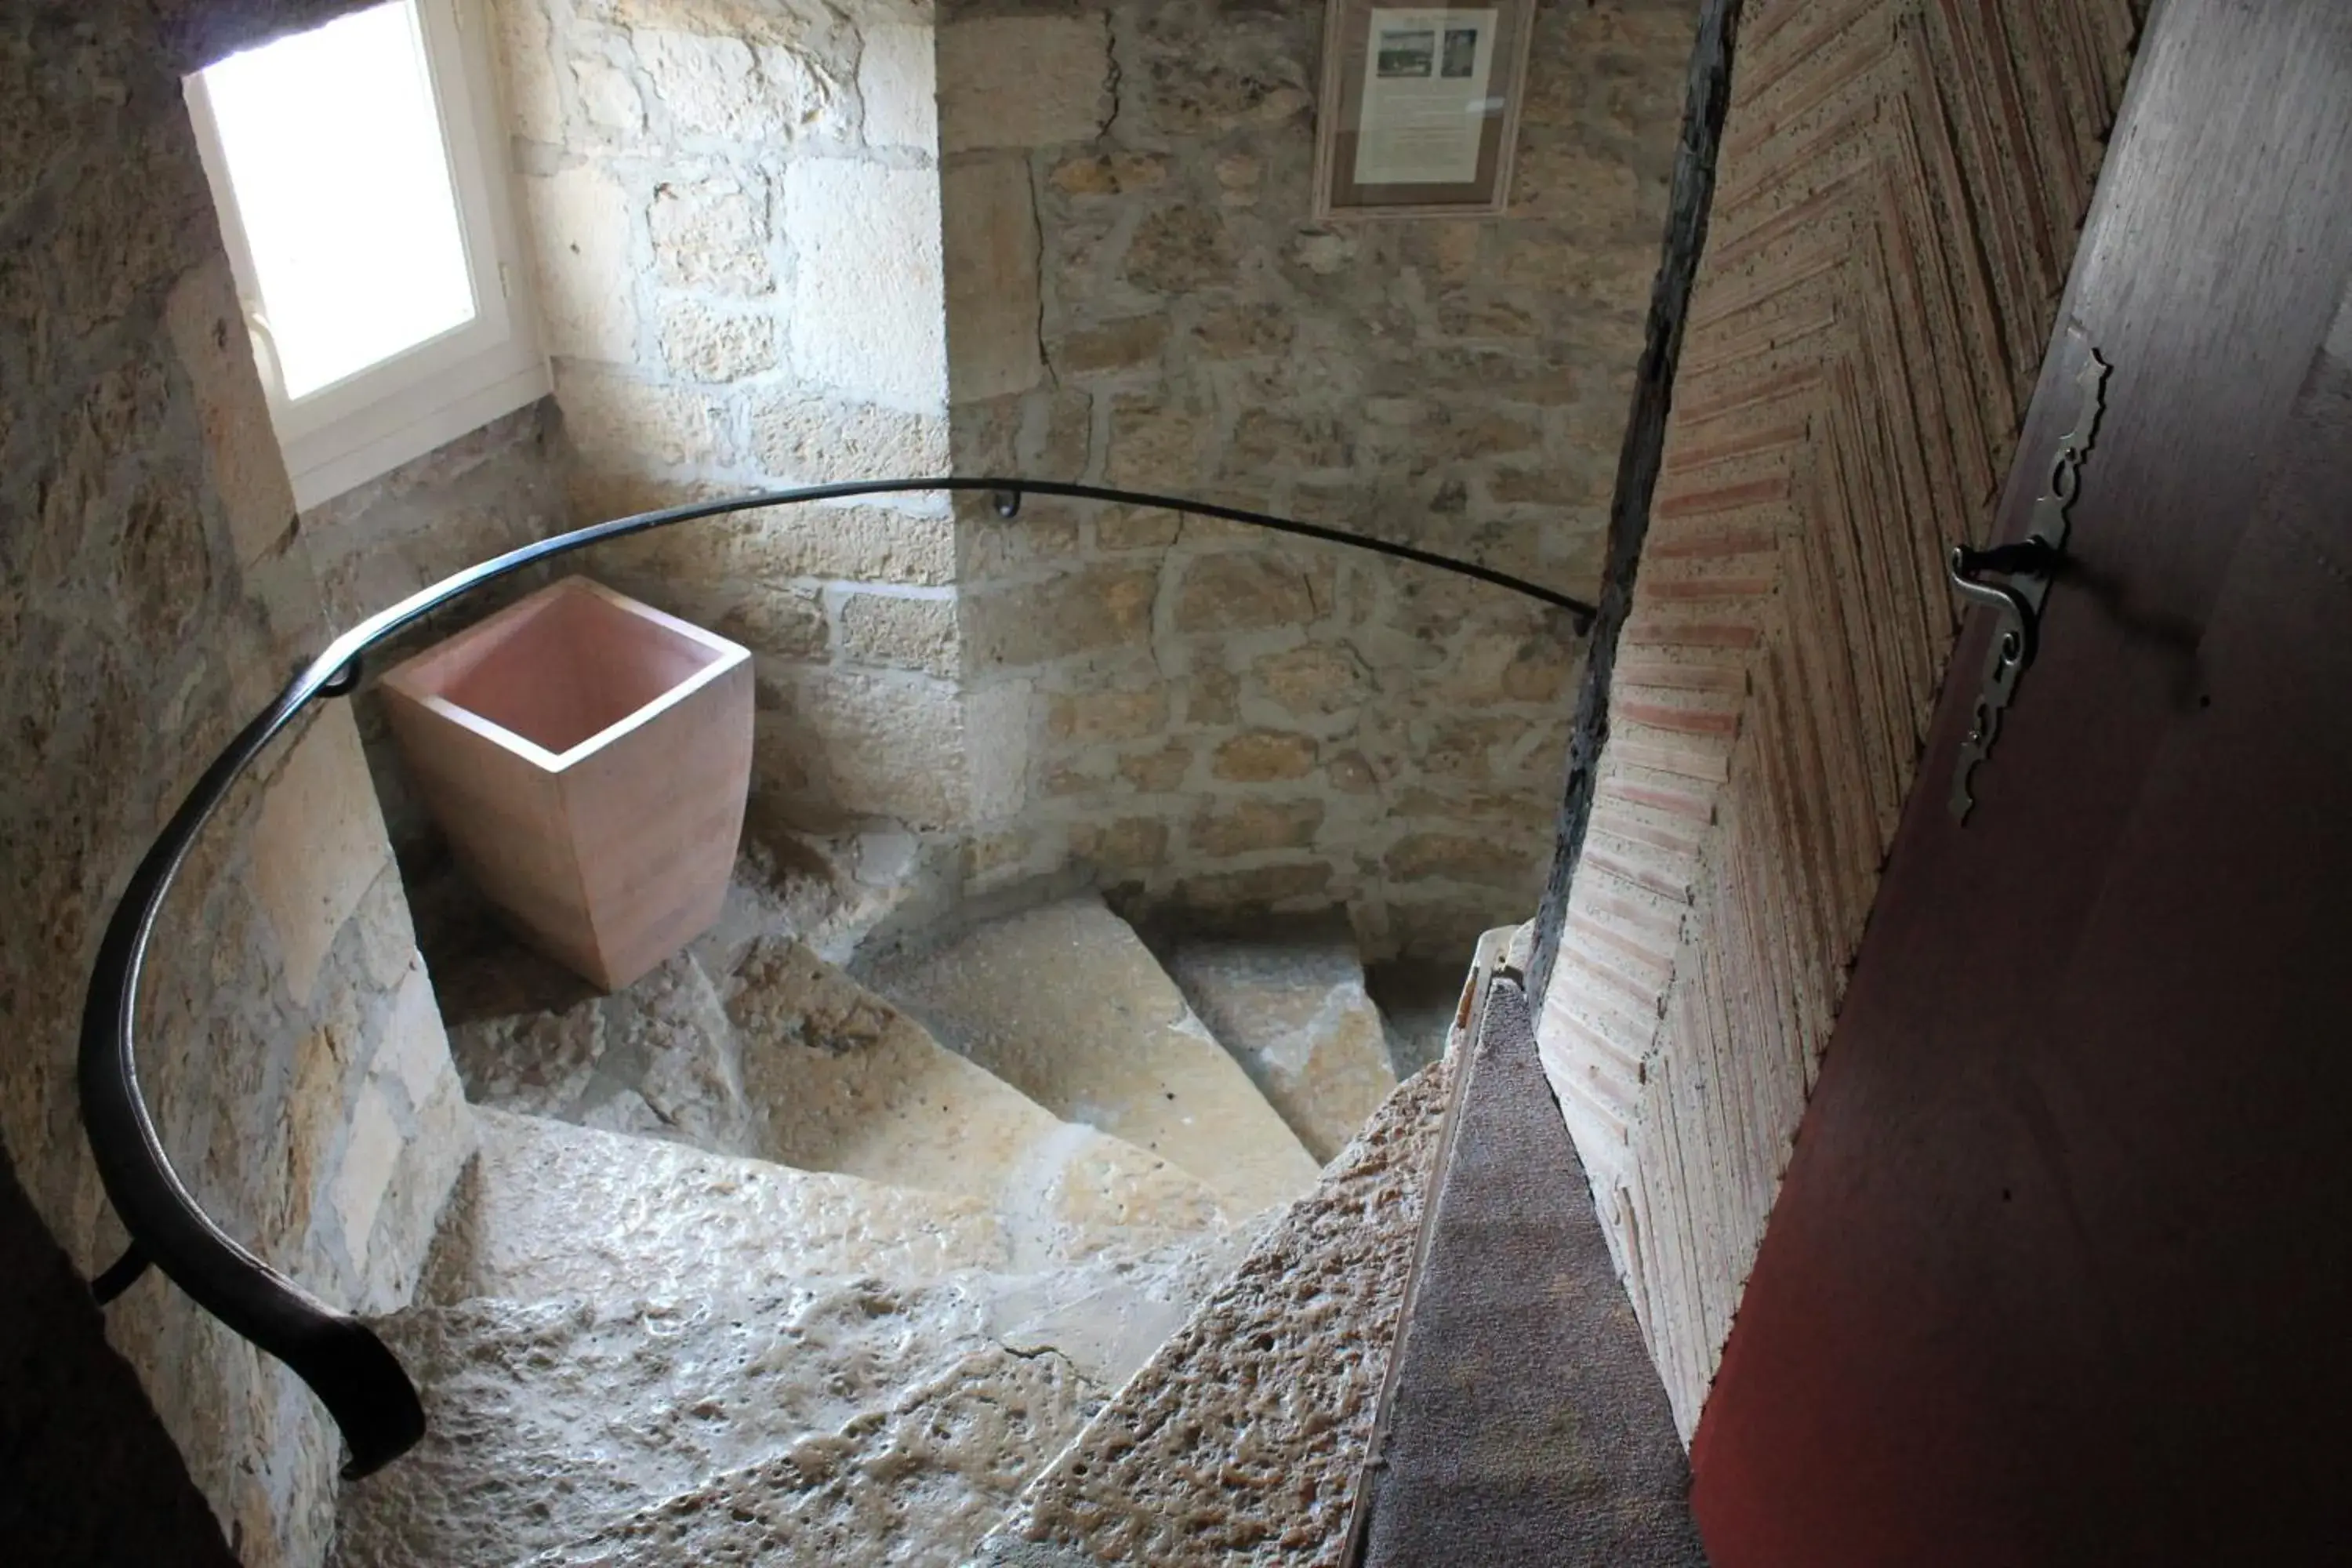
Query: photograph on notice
[
  {"x": 1409, "y": 52},
  {"x": 1460, "y": 52},
  {"x": 1420, "y": 108}
]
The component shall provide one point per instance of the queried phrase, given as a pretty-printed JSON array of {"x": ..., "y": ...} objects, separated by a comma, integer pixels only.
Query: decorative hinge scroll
[{"x": 2028, "y": 567}]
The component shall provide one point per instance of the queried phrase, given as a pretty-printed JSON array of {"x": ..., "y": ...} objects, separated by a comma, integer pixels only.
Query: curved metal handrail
[{"x": 360, "y": 1380}]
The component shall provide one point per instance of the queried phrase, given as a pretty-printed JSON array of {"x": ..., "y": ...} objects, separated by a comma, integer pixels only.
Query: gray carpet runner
[{"x": 1524, "y": 1424}]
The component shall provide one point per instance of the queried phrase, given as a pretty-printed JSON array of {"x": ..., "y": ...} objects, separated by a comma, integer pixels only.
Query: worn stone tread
[
  {"x": 839, "y": 1079},
  {"x": 788, "y": 1059},
  {"x": 1067, "y": 1005},
  {"x": 1239, "y": 1441},
  {"x": 551, "y": 1211},
  {"x": 550, "y": 1420},
  {"x": 1297, "y": 1017}
]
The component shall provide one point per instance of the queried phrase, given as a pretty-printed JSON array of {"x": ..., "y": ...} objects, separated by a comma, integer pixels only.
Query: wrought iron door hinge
[{"x": 2028, "y": 566}]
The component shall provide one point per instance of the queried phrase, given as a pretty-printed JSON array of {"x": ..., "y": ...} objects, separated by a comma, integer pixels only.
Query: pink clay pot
[{"x": 588, "y": 758}]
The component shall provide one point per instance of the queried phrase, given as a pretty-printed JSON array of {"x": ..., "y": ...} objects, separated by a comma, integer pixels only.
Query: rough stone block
[
  {"x": 1239, "y": 175},
  {"x": 1236, "y": 592},
  {"x": 1493, "y": 433},
  {"x": 797, "y": 437},
  {"x": 1180, "y": 250},
  {"x": 781, "y": 547},
  {"x": 1109, "y": 173},
  {"x": 1212, "y": 697},
  {"x": 1509, "y": 666},
  {"x": 1263, "y": 887},
  {"x": 1123, "y": 345},
  {"x": 882, "y": 745},
  {"x": 207, "y": 330},
  {"x": 1090, "y": 717},
  {"x": 901, "y": 633},
  {"x": 317, "y": 846},
  {"x": 1264, "y": 756},
  {"x": 1159, "y": 444},
  {"x": 581, "y": 220},
  {"x": 1248, "y": 825},
  {"x": 897, "y": 82},
  {"x": 527, "y": 60},
  {"x": 1465, "y": 748},
  {"x": 1458, "y": 857},
  {"x": 1040, "y": 537},
  {"x": 1126, "y": 528},
  {"x": 616, "y": 422},
  {"x": 711, "y": 232},
  {"x": 711, "y": 345},
  {"x": 1158, "y": 771},
  {"x": 1243, "y": 332},
  {"x": 416, "y": 1049},
  {"x": 867, "y": 281},
  {"x": 1248, "y": 71},
  {"x": 1558, "y": 176},
  {"x": 778, "y": 622},
  {"x": 1313, "y": 682},
  {"x": 1024, "y": 81},
  {"x": 371, "y": 1156},
  {"x": 996, "y": 748},
  {"x": 1079, "y": 612},
  {"x": 1086, "y": 774},
  {"x": 609, "y": 99},
  {"x": 1128, "y": 843},
  {"x": 722, "y": 89},
  {"x": 1269, "y": 441},
  {"x": 991, "y": 222}
]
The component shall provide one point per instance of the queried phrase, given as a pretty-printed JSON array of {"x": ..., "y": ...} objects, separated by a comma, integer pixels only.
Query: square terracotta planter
[{"x": 588, "y": 758}]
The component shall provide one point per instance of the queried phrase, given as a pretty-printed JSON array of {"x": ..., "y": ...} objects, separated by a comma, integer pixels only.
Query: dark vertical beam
[{"x": 1690, "y": 204}]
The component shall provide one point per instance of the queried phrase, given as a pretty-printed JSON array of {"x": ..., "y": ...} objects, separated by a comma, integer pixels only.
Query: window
[{"x": 364, "y": 204}]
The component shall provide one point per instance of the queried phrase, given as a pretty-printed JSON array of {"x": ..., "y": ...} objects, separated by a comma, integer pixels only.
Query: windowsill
[{"x": 400, "y": 429}]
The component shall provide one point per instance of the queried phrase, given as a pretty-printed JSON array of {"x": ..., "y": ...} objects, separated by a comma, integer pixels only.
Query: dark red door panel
[{"x": 2062, "y": 1270}]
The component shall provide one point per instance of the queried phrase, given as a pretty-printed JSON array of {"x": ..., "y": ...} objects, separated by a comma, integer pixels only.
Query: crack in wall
[
  {"x": 1114, "y": 74},
  {"x": 1044, "y": 274}
]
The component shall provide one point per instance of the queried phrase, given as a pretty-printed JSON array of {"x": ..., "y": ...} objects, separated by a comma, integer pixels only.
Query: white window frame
[{"x": 395, "y": 411}]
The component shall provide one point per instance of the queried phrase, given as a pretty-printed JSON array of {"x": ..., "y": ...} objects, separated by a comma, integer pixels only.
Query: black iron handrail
[{"x": 360, "y": 1380}]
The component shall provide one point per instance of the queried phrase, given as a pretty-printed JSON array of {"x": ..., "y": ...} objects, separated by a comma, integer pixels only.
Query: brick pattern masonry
[{"x": 1901, "y": 183}]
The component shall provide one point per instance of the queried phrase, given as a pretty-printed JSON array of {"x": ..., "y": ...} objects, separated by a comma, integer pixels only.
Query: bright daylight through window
[
  {"x": 356, "y": 171},
  {"x": 333, "y": 145}
]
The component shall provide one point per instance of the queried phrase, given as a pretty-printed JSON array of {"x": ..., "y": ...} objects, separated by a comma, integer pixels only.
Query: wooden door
[{"x": 2062, "y": 1270}]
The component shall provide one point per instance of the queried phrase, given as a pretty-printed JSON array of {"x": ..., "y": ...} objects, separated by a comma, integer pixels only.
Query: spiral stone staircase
[{"x": 1020, "y": 1236}]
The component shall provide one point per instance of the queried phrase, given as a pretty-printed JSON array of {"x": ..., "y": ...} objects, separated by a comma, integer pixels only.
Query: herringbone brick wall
[{"x": 1901, "y": 185}]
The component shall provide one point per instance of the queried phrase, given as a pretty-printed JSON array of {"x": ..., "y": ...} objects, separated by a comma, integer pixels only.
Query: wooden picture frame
[{"x": 1420, "y": 110}]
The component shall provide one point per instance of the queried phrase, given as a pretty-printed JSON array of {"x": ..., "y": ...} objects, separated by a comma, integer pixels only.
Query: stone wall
[
  {"x": 734, "y": 206},
  {"x": 1900, "y": 190},
  {"x": 1139, "y": 297},
  {"x": 153, "y": 597},
  {"x": 497, "y": 489}
]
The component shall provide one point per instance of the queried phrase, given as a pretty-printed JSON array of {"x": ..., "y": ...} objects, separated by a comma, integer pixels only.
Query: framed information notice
[{"x": 1419, "y": 111}]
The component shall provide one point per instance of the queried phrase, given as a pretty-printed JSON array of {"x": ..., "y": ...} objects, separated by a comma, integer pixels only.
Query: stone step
[
  {"x": 922, "y": 1480},
  {"x": 1239, "y": 1441},
  {"x": 549, "y": 1211},
  {"x": 790, "y": 1060},
  {"x": 658, "y": 1059},
  {"x": 1066, "y": 1003},
  {"x": 1295, "y": 1015},
  {"x": 551, "y": 1421},
  {"x": 841, "y": 1080}
]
